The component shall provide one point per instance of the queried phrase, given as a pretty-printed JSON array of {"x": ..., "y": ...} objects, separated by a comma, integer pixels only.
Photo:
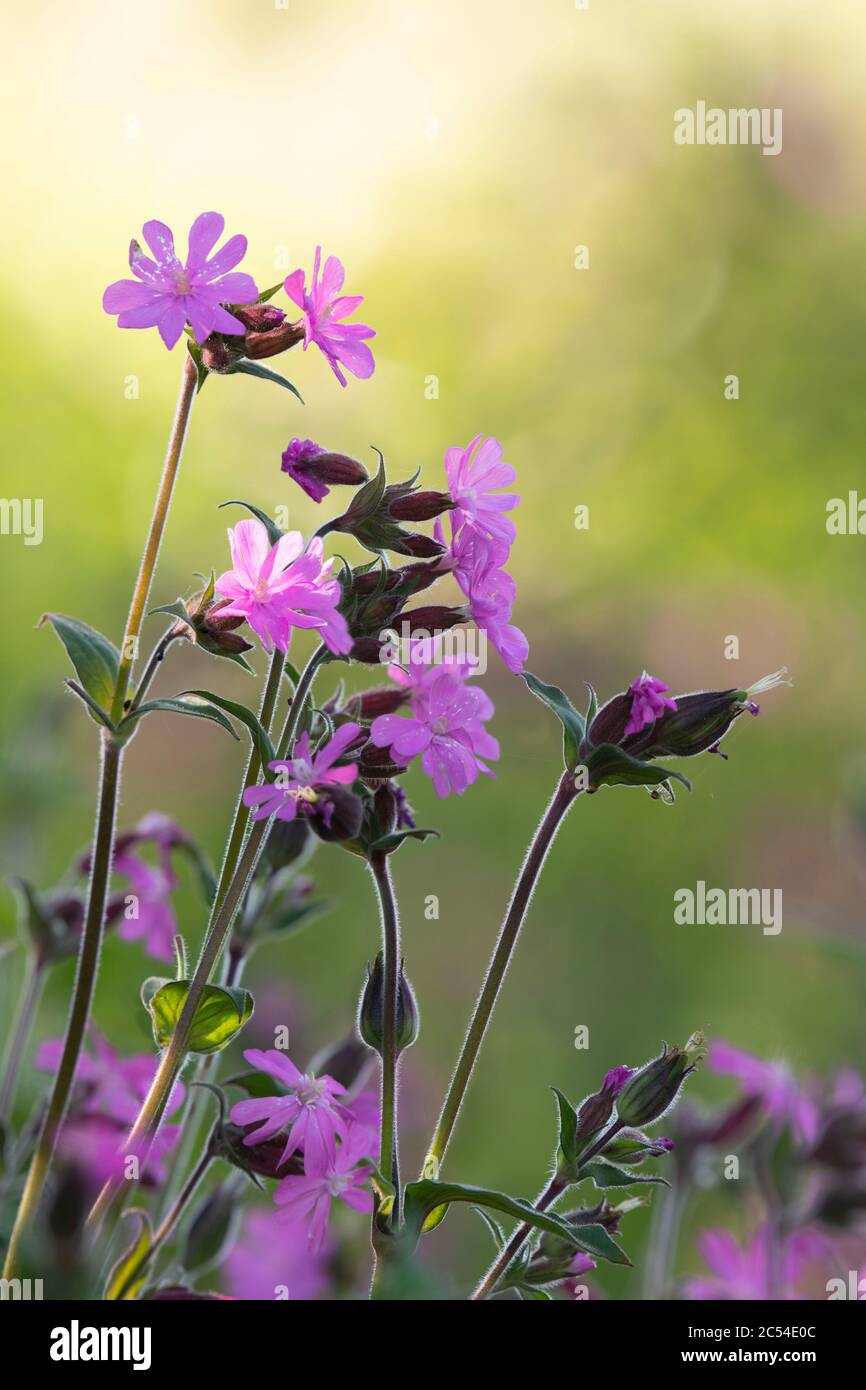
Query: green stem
[
  {"x": 390, "y": 920},
  {"x": 551, "y": 1193},
  {"x": 103, "y": 845},
  {"x": 147, "y": 1123},
  {"x": 31, "y": 989},
  {"x": 251, "y": 777},
  {"x": 158, "y": 519},
  {"x": 234, "y": 844},
  {"x": 561, "y": 801},
  {"x": 82, "y": 996},
  {"x": 153, "y": 664}
]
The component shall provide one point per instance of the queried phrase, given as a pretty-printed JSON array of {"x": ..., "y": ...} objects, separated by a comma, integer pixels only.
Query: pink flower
[
  {"x": 490, "y": 591},
  {"x": 279, "y": 587},
  {"x": 743, "y": 1272},
  {"x": 474, "y": 474},
  {"x": 647, "y": 703},
  {"x": 297, "y": 456},
  {"x": 308, "y": 1199},
  {"x": 324, "y": 307},
  {"x": 270, "y": 1256},
  {"x": 168, "y": 295},
  {"x": 772, "y": 1083},
  {"x": 447, "y": 728},
  {"x": 112, "y": 1089},
  {"x": 310, "y": 1110},
  {"x": 150, "y": 916},
  {"x": 303, "y": 778}
]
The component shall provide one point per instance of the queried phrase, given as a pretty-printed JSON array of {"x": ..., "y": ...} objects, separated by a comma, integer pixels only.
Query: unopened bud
[
  {"x": 419, "y": 506},
  {"x": 654, "y": 1088},
  {"x": 371, "y": 1011}
]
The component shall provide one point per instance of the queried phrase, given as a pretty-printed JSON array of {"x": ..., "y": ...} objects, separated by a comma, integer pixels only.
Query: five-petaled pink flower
[
  {"x": 167, "y": 295},
  {"x": 447, "y": 727},
  {"x": 310, "y": 1110},
  {"x": 278, "y": 587},
  {"x": 477, "y": 563},
  {"x": 474, "y": 474},
  {"x": 303, "y": 779},
  {"x": 308, "y": 1199},
  {"x": 324, "y": 308},
  {"x": 647, "y": 702}
]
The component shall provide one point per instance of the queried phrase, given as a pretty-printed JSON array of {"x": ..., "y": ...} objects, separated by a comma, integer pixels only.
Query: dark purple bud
[
  {"x": 259, "y": 318},
  {"x": 420, "y": 546},
  {"x": 272, "y": 341},
  {"x": 433, "y": 619},
  {"x": 420, "y": 506},
  {"x": 337, "y": 814},
  {"x": 370, "y": 704},
  {"x": 372, "y": 1006}
]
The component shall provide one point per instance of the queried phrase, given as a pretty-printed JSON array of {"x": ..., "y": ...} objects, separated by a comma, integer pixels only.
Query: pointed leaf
[
  {"x": 609, "y": 766},
  {"x": 606, "y": 1175},
  {"x": 95, "y": 658},
  {"x": 573, "y": 727},
  {"x": 595, "y": 1241},
  {"x": 273, "y": 530},
  {"x": 179, "y": 704},
  {"x": 567, "y": 1133},
  {"x": 258, "y": 733},
  {"x": 396, "y": 837},
  {"x": 424, "y": 1197},
  {"x": 248, "y": 368}
]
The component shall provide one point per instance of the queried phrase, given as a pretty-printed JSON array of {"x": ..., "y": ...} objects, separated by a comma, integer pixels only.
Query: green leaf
[
  {"x": 195, "y": 353},
  {"x": 396, "y": 837},
  {"x": 221, "y": 1014},
  {"x": 606, "y": 1175},
  {"x": 573, "y": 727},
  {"x": 258, "y": 733},
  {"x": 127, "y": 1275},
  {"x": 594, "y": 1240},
  {"x": 179, "y": 704},
  {"x": 95, "y": 658},
  {"x": 610, "y": 766},
  {"x": 269, "y": 294},
  {"x": 531, "y": 1295},
  {"x": 248, "y": 368},
  {"x": 424, "y": 1197},
  {"x": 273, "y": 530},
  {"x": 567, "y": 1134},
  {"x": 177, "y": 609}
]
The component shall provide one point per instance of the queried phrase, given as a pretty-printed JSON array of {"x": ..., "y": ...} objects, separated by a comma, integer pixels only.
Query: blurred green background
[{"x": 454, "y": 155}]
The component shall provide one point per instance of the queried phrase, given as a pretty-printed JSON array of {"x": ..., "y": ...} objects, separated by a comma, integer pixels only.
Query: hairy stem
[
  {"x": 147, "y": 1123},
  {"x": 140, "y": 593},
  {"x": 154, "y": 662},
  {"x": 560, "y": 803},
  {"x": 390, "y": 920},
  {"x": 82, "y": 996},
  {"x": 31, "y": 989}
]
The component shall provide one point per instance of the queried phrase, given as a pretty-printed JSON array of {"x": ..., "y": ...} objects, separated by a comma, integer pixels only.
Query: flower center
[
  {"x": 309, "y": 1091},
  {"x": 181, "y": 282}
]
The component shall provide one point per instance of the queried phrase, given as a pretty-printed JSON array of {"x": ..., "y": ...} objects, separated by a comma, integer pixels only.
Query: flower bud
[
  {"x": 209, "y": 630},
  {"x": 433, "y": 619},
  {"x": 597, "y": 1109},
  {"x": 287, "y": 842},
  {"x": 371, "y": 1011},
  {"x": 259, "y": 318},
  {"x": 219, "y": 355},
  {"x": 419, "y": 546},
  {"x": 313, "y": 468},
  {"x": 654, "y": 1088},
  {"x": 419, "y": 506},
  {"x": 337, "y": 814},
  {"x": 386, "y": 699}
]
